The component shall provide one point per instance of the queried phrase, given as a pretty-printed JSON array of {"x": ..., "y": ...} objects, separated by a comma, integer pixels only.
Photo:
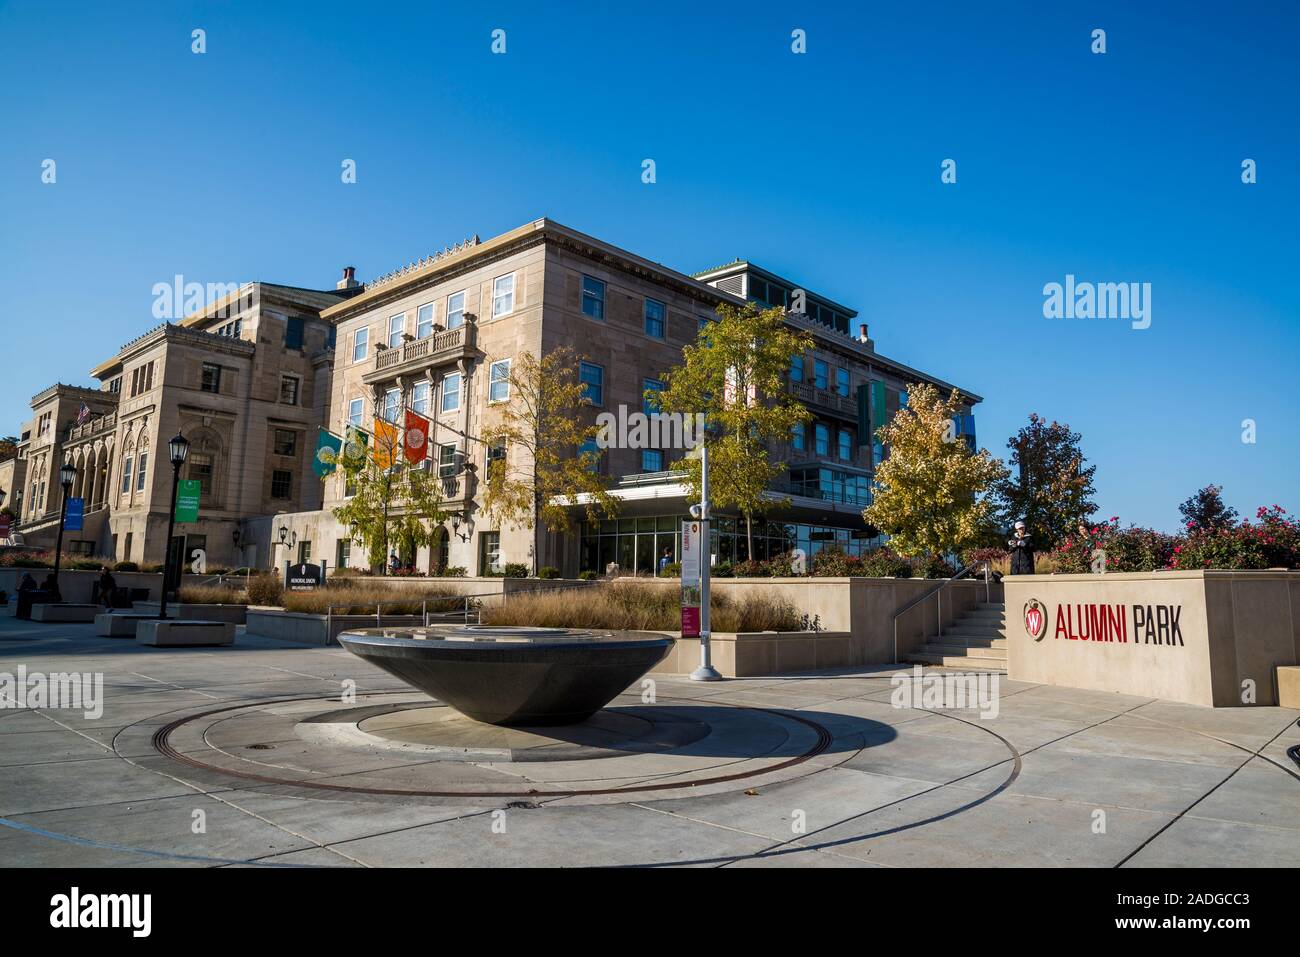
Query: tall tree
[
  {"x": 538, "y": 468},
  {"x": 1048, "y": 488},
  {"x": 1206, "y": 509},
  {"x": 931, "y": 492},
  {"x": 392, "y": 501},
  {"x": 8, "y": 447},
  {"x": 734, "y": 374}
]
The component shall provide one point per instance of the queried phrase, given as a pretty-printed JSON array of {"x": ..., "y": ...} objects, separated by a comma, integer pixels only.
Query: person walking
[
  {"x": 666, "y": 560},
  {"x": 1022, "y": 551},
  {"x": 107, "y": 586}
]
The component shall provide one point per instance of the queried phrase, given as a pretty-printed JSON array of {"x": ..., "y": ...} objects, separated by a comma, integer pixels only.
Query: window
[
  {"x": 293, "y": 332},
  {"x": 211, "y": 381},
  {"x": 451, "y": 392},
  {"x": 652, "y": 460},
  {"x": 304, "y": 551},
  {"x": 200, "y": 467},
  {"x": 648, "y": 403},
  {"x": 424, "y": 321},
  {"x": 590, "y": 451},
  {"x": 842, "y": 381},
  {"x": 490, "y": 557},
  {"x": 289, "y": 389},
  {"x": 281, "y": 483},
  {"x": 820, "y": 372},
  {"x": 654, "y": 318},
  {"x": 286, "y": 442},
  {"x": 446, "y": 461},
  {"x": 396, "y": 326},
  {"x": 496, "y": 452},
  {"x": 355, "y": 412},
  {"x": 592, "y": 377},
  {"x": 846, "y": 445},
  {"x": 360, "y": 344},
  {"x": 392, "y": 399},
  {"x": 798, "y": 438},
  {"x": 127, "y": 463},
  {"x": 141, "y": 470},
  {"x": 503, "y": 295},
  {"x": 343, "y": 554},
  {"x": 455, "y": 310},
  {"x": 822, "y": 444},
  {"x": 420, "y": 398},
  {"x": 499, "y": 381},
  {"x": 593, "y": 298},
  {"x": 796, "y": 369}
]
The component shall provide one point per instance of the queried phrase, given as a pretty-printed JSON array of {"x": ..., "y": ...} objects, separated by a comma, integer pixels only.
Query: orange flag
[
  {"x": 387, "y": 441},
  {"x": 416, "y": 440}
]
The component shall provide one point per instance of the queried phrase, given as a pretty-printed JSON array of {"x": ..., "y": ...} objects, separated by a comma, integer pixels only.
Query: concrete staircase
[{"x": 977, "y": 640}]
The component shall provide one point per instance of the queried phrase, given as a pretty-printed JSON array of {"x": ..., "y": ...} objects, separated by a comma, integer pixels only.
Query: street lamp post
[
  {"x": 706, "y": 671},
  {"x": 67, "y": 475},
  {"x": 178, "y": 449}
]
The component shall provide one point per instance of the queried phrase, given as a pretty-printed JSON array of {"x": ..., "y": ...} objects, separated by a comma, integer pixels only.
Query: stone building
[{"x": 438, "y": 337}]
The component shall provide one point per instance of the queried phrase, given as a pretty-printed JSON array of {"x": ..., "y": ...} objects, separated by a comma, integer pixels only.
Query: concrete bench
[
  {"x": 183, "y": 632},
  {"x": 119, "y": 625},
  {"x": 64, "y": 612}
]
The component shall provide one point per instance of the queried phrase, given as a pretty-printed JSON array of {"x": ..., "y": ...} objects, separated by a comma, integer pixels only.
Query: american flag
[{"x": 83, "y": 414}]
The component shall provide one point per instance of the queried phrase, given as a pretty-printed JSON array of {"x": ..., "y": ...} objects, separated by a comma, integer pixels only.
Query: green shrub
[
  {"x": 672, "y": 570},
  {"x": 126, "y": 567},
  {"x": 453, "y": 571},
  {"x": 85, "y": 565},
  {"x": 265, "y": 589},
  {"x": 722, "y": 570},
  {"x": 588, "y": 575},
  {"x": 515, "y": 570},
  {"x": 548, "y": 571}
]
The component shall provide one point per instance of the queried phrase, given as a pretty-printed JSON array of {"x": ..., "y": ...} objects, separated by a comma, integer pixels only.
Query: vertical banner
[
  {"x": 694, "y": 534},
  {"x": 416, "y": 440},
  {"x": 6, "y": 526},
  {"x": 328, "y": 448},
  {"x": 187, "y": 500},
  {"x": 75, "y": 518},
  {"x": 387, "y": 441}
]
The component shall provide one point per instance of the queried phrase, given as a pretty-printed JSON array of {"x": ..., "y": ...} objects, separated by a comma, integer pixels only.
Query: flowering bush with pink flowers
[{"x": 1272, "y": 541}]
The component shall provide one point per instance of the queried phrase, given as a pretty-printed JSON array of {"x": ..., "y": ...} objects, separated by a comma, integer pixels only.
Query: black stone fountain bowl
[{"x": 513, "y": 676}]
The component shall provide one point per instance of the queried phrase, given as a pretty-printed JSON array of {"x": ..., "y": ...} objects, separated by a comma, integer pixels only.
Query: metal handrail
[
  {"x": 937, "y": 591},
  {"x": 233, "y": 573}
]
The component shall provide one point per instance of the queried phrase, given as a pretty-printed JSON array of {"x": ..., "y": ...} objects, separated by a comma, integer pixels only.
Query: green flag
[
  {"x": 328, "y": 447},
  {"x": 355, "y": 441},
  {"x": 187, "y": 500}
]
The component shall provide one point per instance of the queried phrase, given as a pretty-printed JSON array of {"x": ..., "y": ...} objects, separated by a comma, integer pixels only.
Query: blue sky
[{"x": 824, "y": 167}]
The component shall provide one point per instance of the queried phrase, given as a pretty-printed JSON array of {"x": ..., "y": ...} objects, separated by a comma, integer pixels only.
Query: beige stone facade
[{"x": 427, "y": 337}]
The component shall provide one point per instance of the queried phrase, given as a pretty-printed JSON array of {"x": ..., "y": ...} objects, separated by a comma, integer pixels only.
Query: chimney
[
  {"x": 862, "y": 335},
  {"x": 349, "y": 280}
]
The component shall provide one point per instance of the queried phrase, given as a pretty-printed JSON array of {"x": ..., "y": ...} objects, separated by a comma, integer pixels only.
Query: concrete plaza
[{"x": 256, "y": 755}]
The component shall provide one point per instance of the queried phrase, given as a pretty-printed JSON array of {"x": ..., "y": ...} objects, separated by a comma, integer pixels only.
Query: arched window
[{"x": 201, "y": 465}]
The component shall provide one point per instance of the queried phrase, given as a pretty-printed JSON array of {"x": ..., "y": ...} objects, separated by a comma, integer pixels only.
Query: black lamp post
[
  {"x": 67, "y": 475},
  {"x": 178, "y": 449}
]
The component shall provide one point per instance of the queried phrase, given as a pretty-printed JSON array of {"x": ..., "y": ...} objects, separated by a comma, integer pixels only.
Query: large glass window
[
  {"x": 490, "y": 555},
  {"x": 392, "y": 400},
  {"x": 593, "y": 298},
  {"x": 286, "y": 442},
  {"x": 424, "y": 321},
  {"x": 822, "y": 436},
  {"x": 289, "y": 389},
  {"x": 798, "y": 439},
  {"x": 360, "y": 344},
  {"x": 127, "y": 464},
  {"x": 200, "y": 467},
  {"x": 503, "y": 295},
  {"x": 293, "y": 328},
  {"x": 355, "y": 412},
  {"x": 141, "y": 470},
  {"x": 654, "y": 318},
  {"x": 211, "y": 380},
  {"x": 796, "y": 369},
  {"x": 420, "y": 398},
  {"x": 846, "y": 445},
  {"x": 455, "y": 310},
  {"x": 451, "y": 392},
  {"x": 652, "y": 460},
  {"x": 649, "y": 403},
  {"x": 593, "y": 378},
  {"x": 446, "y": 461},
  {"x": 590, "y": 452},
  {"x": 396, "y": 326},
  {"x": 281, "y": 483},
  {"x": 820, "y": 372},
  {"x": 842, "y": 381},
  {"x": 499, "y": 381}
]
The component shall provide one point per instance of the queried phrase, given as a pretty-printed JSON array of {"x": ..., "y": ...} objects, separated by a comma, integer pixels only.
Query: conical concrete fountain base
[{"x": 513, "y": 676}]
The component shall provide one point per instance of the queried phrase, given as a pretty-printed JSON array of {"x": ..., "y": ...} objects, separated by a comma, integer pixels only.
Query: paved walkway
[{"x": 251, "y": 755}]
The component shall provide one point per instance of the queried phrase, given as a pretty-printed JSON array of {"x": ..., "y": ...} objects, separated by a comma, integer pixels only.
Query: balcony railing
[
  {"x": 445, "y": 346},
  {"x": 842, "y": 405},
  {"x": 102, "y": 423}
]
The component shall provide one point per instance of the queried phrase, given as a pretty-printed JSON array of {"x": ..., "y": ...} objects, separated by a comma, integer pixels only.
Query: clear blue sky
[{"x": 823, "y": 167}]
